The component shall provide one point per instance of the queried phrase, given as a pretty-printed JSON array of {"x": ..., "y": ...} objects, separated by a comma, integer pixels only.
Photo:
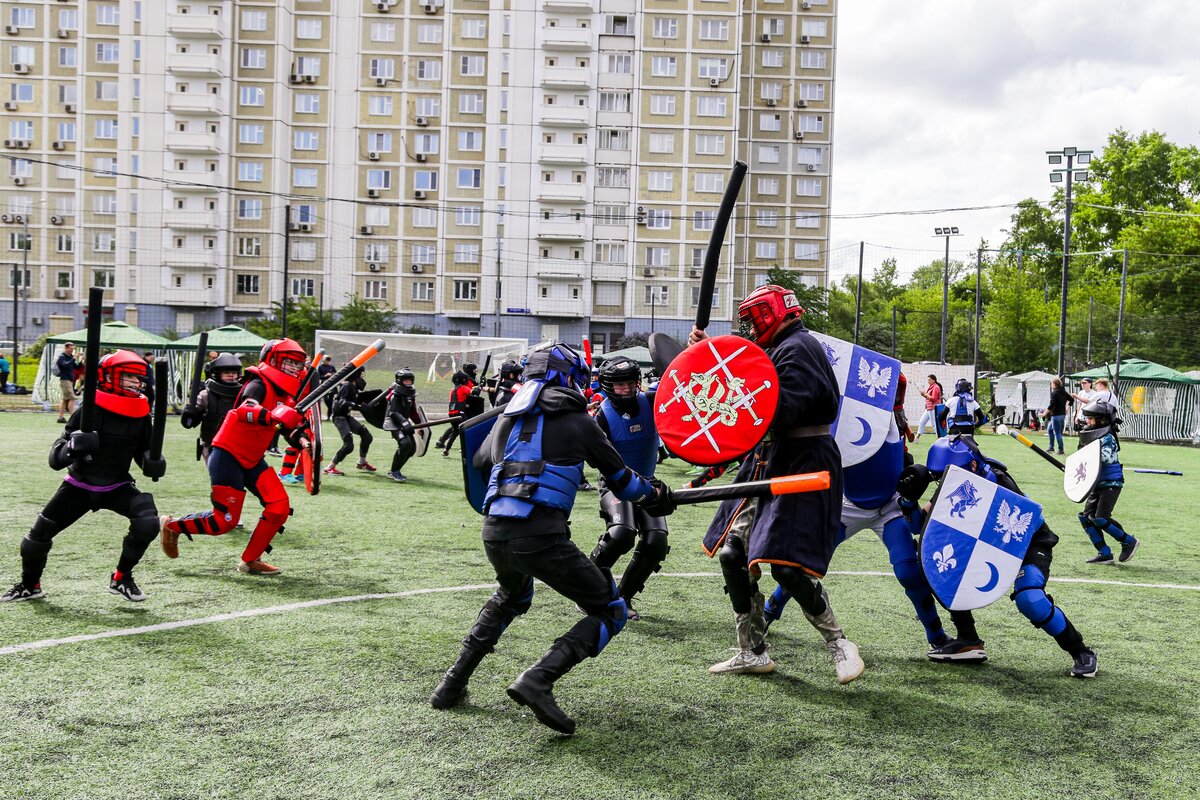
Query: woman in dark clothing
[{"x": 1057, "y": 411}]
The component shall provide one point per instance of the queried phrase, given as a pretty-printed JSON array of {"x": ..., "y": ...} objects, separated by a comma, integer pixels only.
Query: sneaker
[
  {"x": 257, "y": 567},
  {"x": 332, "y": 470},
  {"x": 846, "y": 659},
  {"x": 959, "y": 650},
  {"x": 1104, "y": 558},
  {"x": 61, "y": 420},
  {"x": 1085, "y": 665},
  {"x": 446, "y": 452},
  {"x": 274, "y": 451},
  {"x": 632, "y": 613},
  {"x": 398, "y": 477},
  {"x": 168, "y": 538},
  {"x": 291, "y": 480},
  {"x": 125, "y": 588},
  {"x": 586, "y": 487},
  {"x": 745, "y": 662},
  {"x": 18, "y": 593},
  {"x": 1128, "y": 548},
  {"x": 363, "y": 465}
]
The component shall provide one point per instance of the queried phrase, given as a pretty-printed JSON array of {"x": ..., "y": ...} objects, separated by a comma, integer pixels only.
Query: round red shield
[{"x": 716, "y": 400}]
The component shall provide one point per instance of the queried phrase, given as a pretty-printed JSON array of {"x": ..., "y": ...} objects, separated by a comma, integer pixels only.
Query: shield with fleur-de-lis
[
  {"x": 1082, "y": 472},
  {"x": 867, "y": 382},
  {"x": 716, "y": 400}
]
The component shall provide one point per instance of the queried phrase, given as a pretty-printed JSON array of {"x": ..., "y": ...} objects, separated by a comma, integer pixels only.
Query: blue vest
[
  {"x": 872, "y": 483},
  {"x": 523, "y": 480},
  {"x": 963, "y": 418},
  {"x": 635, "y": 438},
  {"x": 1111, "y": 471}
]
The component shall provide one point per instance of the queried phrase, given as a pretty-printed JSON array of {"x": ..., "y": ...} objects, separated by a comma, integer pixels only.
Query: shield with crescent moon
[
  {"x": 1082, "y": 472},
  {"x": 867, "y": 382},
  {"x": 716, "y": 400},
  {"x": 975, "y": 539}
]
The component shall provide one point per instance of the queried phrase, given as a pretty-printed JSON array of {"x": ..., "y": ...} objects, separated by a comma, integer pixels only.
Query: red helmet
[
  {"x": 115, "y": 366},
  {"x": 764, "y": 311},
  {"x": 282, "y": 361}
]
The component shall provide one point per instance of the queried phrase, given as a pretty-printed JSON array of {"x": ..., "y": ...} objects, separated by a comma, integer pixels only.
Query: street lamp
[
  {"x": 1067, "y": 175},
  {"x": 947, "y": 233}
]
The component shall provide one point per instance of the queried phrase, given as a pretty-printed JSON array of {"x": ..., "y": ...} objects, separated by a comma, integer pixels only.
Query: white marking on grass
[{"x": 42, "y": 644}]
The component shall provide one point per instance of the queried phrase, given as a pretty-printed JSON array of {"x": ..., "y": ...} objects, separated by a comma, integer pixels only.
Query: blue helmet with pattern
[
  {"x": 949, "y": 451},
  {"x": 557, "y": 363}
]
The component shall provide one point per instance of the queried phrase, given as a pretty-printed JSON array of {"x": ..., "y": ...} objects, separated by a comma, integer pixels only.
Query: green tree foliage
[
  {"x": 305, "y": 317},
  {"x": 1018, "y": 332}
]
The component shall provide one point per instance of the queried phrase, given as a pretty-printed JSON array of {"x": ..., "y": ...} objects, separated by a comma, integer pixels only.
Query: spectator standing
[
  {"x": 4, "y": 371},
  {"x": 67, "y": 367},
  {"x": 324, "y": 370},
  {"x": 1082, "y": 398},
  {"x": 933, "y": 395},
  {"x": 1057, "y": 411},
  {"x": 1105, "y": 393}
]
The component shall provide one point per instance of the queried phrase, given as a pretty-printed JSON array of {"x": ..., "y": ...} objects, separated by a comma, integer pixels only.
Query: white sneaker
[
  {"x": 745, "y": 662},
  {"x": 846, "y": 659}
]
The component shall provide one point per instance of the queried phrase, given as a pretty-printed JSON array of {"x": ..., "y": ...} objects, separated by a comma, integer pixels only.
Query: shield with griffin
[
  {"x": 867, "y": 382},
  {"x": 1082, "y": 472},
  {"x": 975, "y": 540},
  {"x": 716, "y": 400}
]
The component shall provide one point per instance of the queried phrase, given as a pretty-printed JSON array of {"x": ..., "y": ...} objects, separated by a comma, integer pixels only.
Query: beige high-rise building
[{"x": 524, "y": 168}]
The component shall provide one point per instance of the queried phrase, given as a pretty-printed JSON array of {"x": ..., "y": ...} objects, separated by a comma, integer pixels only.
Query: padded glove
[
  {"x": 83, "y": 444},
  {"x": 661, "y": 503},
  {"x": 406, "y": 427},
  {"x": 913, "y": 482},
  {"x": 153, "y": 468},
  {"x": 287, "y": 416},
  {"x": 191, "y": 416}
]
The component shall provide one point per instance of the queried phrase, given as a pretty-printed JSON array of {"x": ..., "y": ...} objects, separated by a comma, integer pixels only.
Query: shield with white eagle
[
  {"x": 716, "y": 400},
  {"x": 1082, "y": 472},
  {"x": 867, "y": 382},
  {"x": 975, "y": 539}
]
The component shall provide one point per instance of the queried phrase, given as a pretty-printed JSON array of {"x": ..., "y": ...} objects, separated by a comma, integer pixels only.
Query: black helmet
[
  {"x": 405, "y": 374},
  {"x": 962, "y": 386},
  {"x": 621, "y": 370},
  {"x": 224, "y": 363},
  {"x": 1105, "y": 414},
  {"x": 469, "y": 368},
  {"x": 459, "y": 378},
  {"x": 510, "y": 370},
  {"x": 1102, "y": 411}
]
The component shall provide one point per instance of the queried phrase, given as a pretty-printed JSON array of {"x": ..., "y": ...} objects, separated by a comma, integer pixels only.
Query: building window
[
  {"x": 770, "y": 123},
  {"x": 379, "y": 105},
  {"x": 662, "y": 104},
  {"x": 427, "y": 143},
  {"x": 382, "y": 68},
  {"x": 379, "y": 179},
  {"x": 254, "y": 20},
  {"x": 768, "y": 153},
  {"x": 106, "y": 53},
  {"x": 466, "y": 290},
  {"x": 246, "y": 284},
  {"x": 427, "y": 106},
  {"x": 618, "y": 64},
  {"x": 660, "y": 180},
  {"x": 713, "y": 68},
  {"x": 251, "y": 171},
  {"x": 67, "y": 57},
  {"x": 474, "y": 28},
  {"x": 703, "y": 220},
  {"x": 383, "y": 31},
  {"x": 422, "y": 291},
  {"x": 466, "y": 253},
  {"x": 249, "y": 246},
  {"x": 424, "y": 253},
  {"x": 469, "y": 178},
  {"x": 710, "y": 106},
  {"x": 658, "y": 219},
  {"x": 812, "y": 91},
  {"x": 308, "y": 104},
  {"x": 714, "y": 30},
  {"x": 304, "y": 177},
  {"x": 710, "y": 144},
  {"x": 709, "y": 182},
  {"x": 610, "y": 214},
  {"x": 254, "y": 58},
  {"x": 470, "y": 103},
  {"x": 612, "y": 177},
  {"x": 248, "y": 208},
  {"x": 308, "y": 65},
  {"x": 308, "y": 28},
  {"x": 429, "y": 33},
  {"x": 104, "y": 278},
  {"x": 611, "y": 101},
  {"x": 424, "y": 218},
  {"x": 609, "y": 253},
  {"x": 663, "y": 66},
  {"x": 808, "y": 219},
  {"x": 306, "y": 140},
  {"x": 657, "y": 295},
  {"x": 666, "y": 28},
  {"x": 810, "y": 123},
  {"x": 471, "y": 141},
  {"x": 662, "y": 143},
  {"x": 252, "y": 96},
  {"x": 808, "y": 187},
  {"x": 425, "y": 179},
  {"x": 610, "y": 139},
  {"x": 429, "y": 70},
  {"x": 21, "y": 92},
  {"x": 466, "y": 216},
  {"x": 303, "y": 287},
  {"x": 250, "y": 134},
  {"x": 471, "y": 65},
  {"x": 812, "y": 59},
  {"x": 814, "y": 27},
  {"x": 107, "y": 14},
  {"x": 716, "y": 296},
  {"x": 808, "y": 251}
]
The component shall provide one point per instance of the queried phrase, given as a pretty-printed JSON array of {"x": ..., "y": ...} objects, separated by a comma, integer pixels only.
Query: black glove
[
  {"x": 476, "y": 391},
  {"x": 153, "y": 468},
  {"x": 913, "y": 482},
  {"x": 191, "y": 416},
  {"x": 660, "y": 503},
  {"x": 83, "y": 444},
  {"x": 406, "y": 427}
]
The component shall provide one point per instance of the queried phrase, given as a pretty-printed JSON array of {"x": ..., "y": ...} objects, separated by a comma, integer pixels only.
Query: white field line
[{"x": 42, "y": 644}]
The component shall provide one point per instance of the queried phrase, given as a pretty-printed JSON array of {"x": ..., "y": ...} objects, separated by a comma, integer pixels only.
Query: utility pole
[
  {"x": 287, "y": 254},
  {"x": 1091, "y": 304},
  {"x": 1121, "y": 323},
  {"x": 978, "y": 314},
  {"x": 1056, "y": 157},
  {"x": 946, "y": 232},
  {"x": 496, "y": 324},
  {"x": 893, "y": 331}
]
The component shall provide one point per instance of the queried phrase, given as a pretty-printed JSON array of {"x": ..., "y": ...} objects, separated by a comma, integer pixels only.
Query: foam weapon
[
  {"x": 311, "y": 376},
  {"x": 1004, "y": 429},
  {"x": 197, "y": 368},
  {"x": 712, "y": 255},
  {"x": 786, "y": 484},
  {"x": 159, "y": 429},
  {"x": 1159, "y": 471},
  {"x": 332, "y": 382},
  {"x": 91, "y": 364},
  {"x": 487, "y": 364},
  {"x": 433, "y": 423},
  {"x": 587, "y": 351}
]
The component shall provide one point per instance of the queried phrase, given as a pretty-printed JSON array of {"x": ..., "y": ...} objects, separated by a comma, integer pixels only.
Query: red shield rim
[{"x": 716, "y": 400}]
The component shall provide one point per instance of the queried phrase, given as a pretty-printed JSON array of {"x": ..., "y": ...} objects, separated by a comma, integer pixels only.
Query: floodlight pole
[
  {"x": 1121, "y": 323},
  {"x": 947, "y": 232},
  {"x": 1056, "y": 156},
  {"x": 858, "y": 294},
  {"x": 287, "y": 254},
  {"x": 978, "y": 313}
]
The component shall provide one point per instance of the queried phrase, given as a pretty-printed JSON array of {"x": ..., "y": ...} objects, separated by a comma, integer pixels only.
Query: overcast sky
[{"x": 953, "y": 103}]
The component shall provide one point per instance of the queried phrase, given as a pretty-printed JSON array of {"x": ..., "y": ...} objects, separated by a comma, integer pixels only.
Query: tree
[
  {"x": 364, "y": 315},
  {"x": 632, "y": 340},
  {"x": 813, "y": 299},
  {"x": 1018, "y": 332}
]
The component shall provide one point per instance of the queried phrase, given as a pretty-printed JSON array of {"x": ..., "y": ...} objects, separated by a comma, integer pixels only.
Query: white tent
[{"x": 1022, "y": 392}]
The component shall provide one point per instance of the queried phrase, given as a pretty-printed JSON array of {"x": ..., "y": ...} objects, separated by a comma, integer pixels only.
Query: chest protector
[
  {"x": 122, "y": 427},
  {"x": 241, "y": 435},
  {"x": 963, "y": 420},
  {"x": 1111, "y": 471},
  {"x": 523, "y": 480},
  {"x": 220, "y": 403},
  {"x": 635, "y": 438}
]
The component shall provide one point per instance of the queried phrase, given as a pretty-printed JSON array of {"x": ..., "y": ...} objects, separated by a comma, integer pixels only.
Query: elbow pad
[{"x": 628, "y": 485}]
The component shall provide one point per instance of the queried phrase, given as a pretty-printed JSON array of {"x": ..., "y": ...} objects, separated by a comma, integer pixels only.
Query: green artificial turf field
[{"x": 330, "y": 701}]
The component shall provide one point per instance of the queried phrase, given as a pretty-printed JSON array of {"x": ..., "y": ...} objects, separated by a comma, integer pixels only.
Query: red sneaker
[
  {"x": 363, "y": 465},
  {"x": 332, "y": 470}
]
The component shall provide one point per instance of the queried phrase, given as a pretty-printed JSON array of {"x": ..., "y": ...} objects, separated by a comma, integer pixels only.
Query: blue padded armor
[
  {"x": 872, "y": 483},
  {"x": 636, "y": 438},
  {"x": 1029, "y": 592},
  {"x": 523, "y": 481}
]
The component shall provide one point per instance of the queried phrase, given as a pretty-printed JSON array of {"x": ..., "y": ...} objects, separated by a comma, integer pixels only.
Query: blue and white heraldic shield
[
  {"x": 975, "y": 540},
  {"x": 867, "y": 382}
]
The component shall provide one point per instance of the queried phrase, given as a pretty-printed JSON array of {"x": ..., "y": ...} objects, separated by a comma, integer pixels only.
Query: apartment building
[{"x": 524, "y": 168}]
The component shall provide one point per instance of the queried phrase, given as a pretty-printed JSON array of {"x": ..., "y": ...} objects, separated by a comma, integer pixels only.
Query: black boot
[
  {"x": 453, "y": 687},
  {"x": 534, "y": 686}
]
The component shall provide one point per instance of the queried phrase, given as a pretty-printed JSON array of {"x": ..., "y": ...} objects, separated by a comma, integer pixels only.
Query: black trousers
[
  {"x": 346, "y": 426},
  {"x": 406, "y": 446}
]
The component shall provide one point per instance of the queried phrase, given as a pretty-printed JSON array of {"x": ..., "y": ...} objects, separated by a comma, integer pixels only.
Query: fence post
[
  {"x": 1121, "y": 322},
  {"x": 893, "y": 331},
  {"x": 858, "y": 294},
  {"x": 978, "y": 309}
]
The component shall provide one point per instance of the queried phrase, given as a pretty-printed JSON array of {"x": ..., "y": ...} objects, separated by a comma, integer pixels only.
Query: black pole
[
  {"x": 1062, "y": 312},
  {"x": 16, "y": 324},
  {"x": 945, "y": 296},
  {"x": 978, "y": 312},
  {"x": 1088, "y": 357},
  {"x": 858, "y": 294},
  {"x": 287, "y": 255},
  {"x": 893, "y": 331},
  {"x": 1121, "y": 322}
]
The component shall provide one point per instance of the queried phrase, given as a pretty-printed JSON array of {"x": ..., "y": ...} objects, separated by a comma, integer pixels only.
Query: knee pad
[
  {"x": 143, "y": 518},
  {"x": 802, "y": 586},
  {"x": 612, "y": 624},
  {"x": 908, "y": 572},
  {"x": 42, "y": 530},
  {"x": 655, "y": 547},
  {"x": 732, "y": 556},
  {"x": 614, "y": 543},
  {"x": 1029, "y": 593},
  {"x": 276, "y": 512}
]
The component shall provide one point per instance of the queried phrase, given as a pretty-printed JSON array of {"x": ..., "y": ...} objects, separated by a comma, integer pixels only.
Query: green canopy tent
[
  {"x": 1158, "y": 404},
  {"x": 113, "y": 336},
  {"x": 226, "y": 339}
]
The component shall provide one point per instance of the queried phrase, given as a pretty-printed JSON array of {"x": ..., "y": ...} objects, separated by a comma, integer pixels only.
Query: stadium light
[
  {"x": 945, "y": 232},
  {"x": 1072, "y": 155}
]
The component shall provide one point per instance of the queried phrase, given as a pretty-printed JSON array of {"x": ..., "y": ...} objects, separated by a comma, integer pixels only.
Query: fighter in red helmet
[
  {"x": 236, "y": 464},
  {"x": 795, "y": 534},
  {"x": 97, "y": 464}
]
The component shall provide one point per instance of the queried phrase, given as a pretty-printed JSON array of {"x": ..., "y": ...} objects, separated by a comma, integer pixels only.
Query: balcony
[
  {"x": 558, "y": 38},
  {"x": 193, "y": 181},
  {"x": 195, "y": 26},
  {"x": 562, "y": 193},
  {"x": 565, "y": 117},
  {"x": 567, "y": 77},
  {"x": 569, "y": 154},
  {"x": 577, "y": 6},
  {"x": 202, "y": 65},
  {"x": 557, "y": 307},
  {"x": 203, "y": 143},
  {"x": 562, "y": 228},
  {"x": 184, "y": 296},
  {"x": 190, "y": 259},
  {"x": 207, "y": 105},
  {"x": 198, "y": 220}
]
